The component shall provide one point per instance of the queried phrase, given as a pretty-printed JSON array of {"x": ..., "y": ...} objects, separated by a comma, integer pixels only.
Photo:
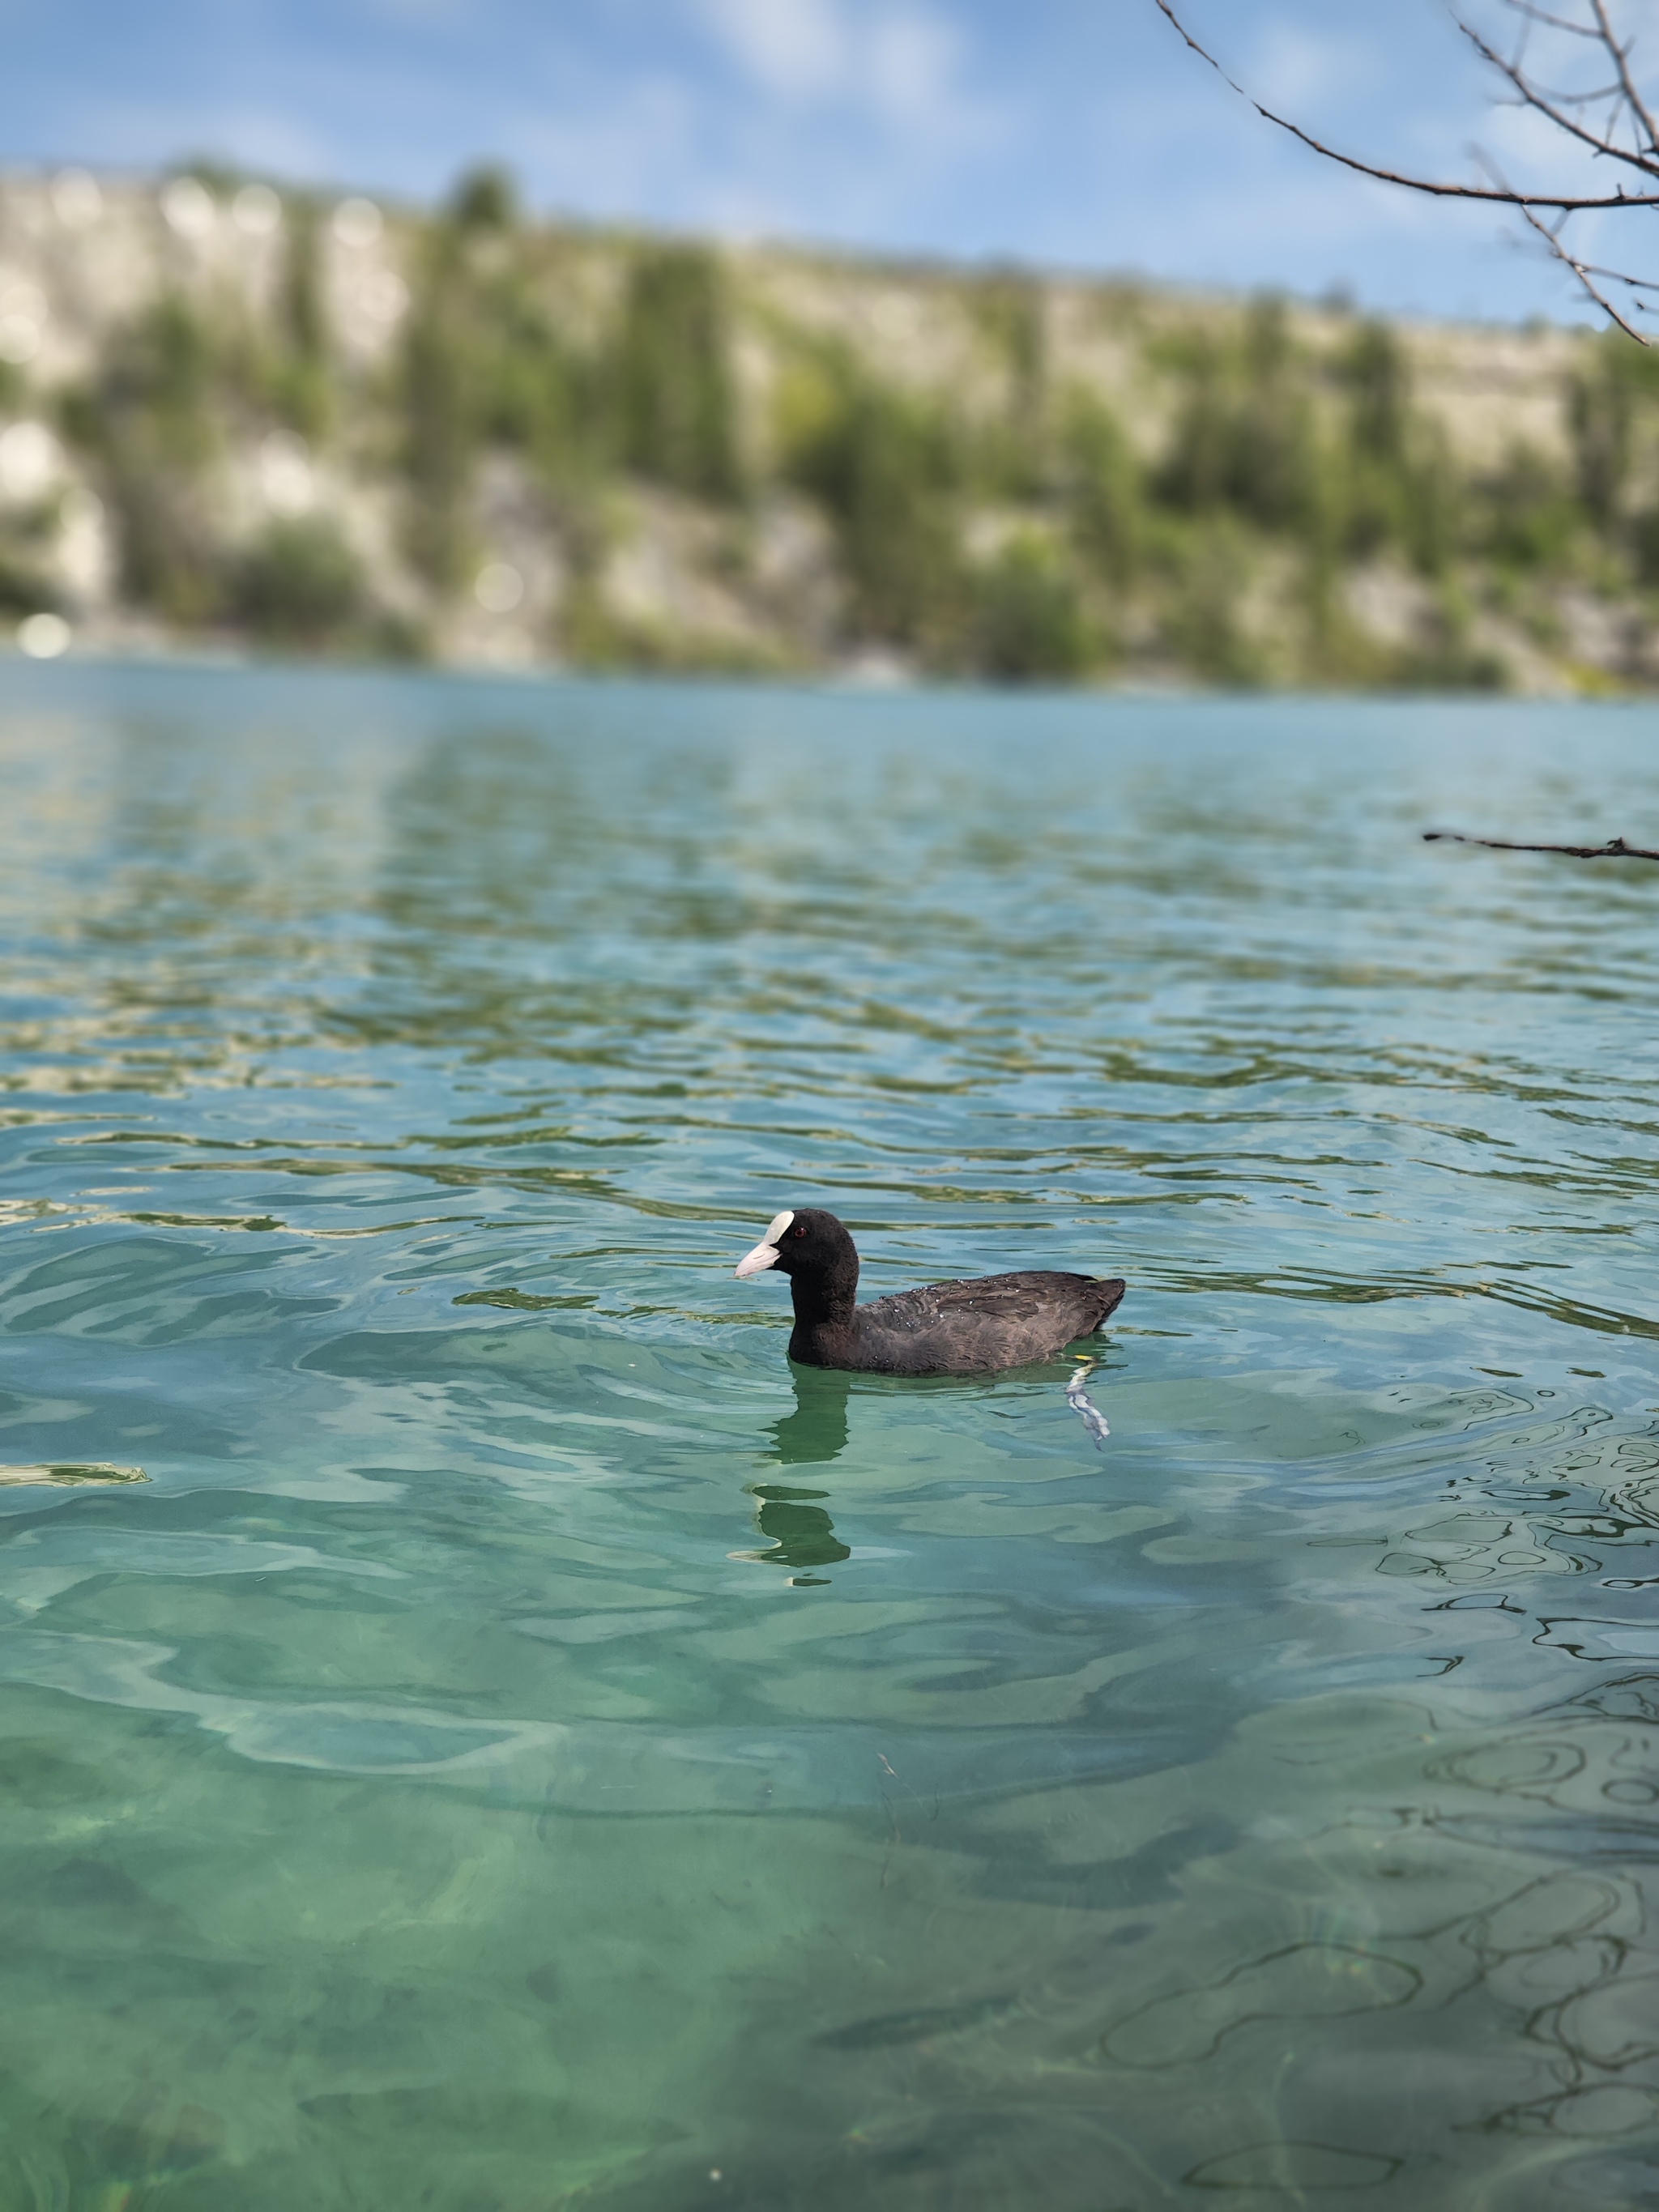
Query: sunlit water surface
[{"x": 518, "y": 1746}]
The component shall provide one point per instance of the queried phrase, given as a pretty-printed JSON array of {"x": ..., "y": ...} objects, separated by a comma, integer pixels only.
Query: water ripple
[{"x": 515, "y": 1734}]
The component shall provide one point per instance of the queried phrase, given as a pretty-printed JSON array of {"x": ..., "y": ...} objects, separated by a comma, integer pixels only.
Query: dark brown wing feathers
[{"x": 986, "y": 1321}]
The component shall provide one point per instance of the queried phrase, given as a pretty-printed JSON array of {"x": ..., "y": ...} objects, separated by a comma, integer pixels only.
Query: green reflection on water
[{"x": 519, "y": 1742}]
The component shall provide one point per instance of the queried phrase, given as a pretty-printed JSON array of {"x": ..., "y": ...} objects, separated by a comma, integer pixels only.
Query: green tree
[
  {"x": 674, "y": 373},
  {"x": 888, "y": 469},
  {"x": 1101, "y": 490},
  {"x": 1271, "y": 462},
  {"x": 441, "y": 409},
  {"x": 301, "y": 584},
  {"x": 485, "y": 198},
  {"x": 150, "y": 419},
  {"x": 301, "y": 383},
  {"x": 1029, "y": 623}
]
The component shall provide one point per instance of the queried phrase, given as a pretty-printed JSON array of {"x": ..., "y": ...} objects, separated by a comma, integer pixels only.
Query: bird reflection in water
[
  {"x": 801, "y": 1534},
  {"x": 817, "y": 1430}
]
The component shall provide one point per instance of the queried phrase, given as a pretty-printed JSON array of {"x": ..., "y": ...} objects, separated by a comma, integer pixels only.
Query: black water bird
[{"x": 945, "y": 1328}]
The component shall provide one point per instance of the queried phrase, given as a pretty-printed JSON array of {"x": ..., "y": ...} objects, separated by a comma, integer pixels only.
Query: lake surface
[{"x": 518, "y": 1746}]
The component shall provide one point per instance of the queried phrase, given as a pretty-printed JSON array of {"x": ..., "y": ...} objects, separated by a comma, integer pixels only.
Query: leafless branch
[
  {"x": 1591, "y": 99},
  {"x": 1529, "y": 96},
  {"x": 1617, "y": 276},
  {"x": 1581, "y": 271},
  {"x": 1568, "y": 203},
  {"x": 1626, "y": 132},
  {"x": 1638, "y": 106},
  {"x": 1555, "y": 23},
  {"x": 1614, "y": 849}
]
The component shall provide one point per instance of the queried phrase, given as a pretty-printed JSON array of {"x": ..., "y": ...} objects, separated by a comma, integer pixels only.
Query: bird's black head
[{"x": 810, "y": 1246}]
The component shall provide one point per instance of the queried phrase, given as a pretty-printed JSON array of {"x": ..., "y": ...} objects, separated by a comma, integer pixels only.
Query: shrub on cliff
[
  {"x": 673, "y": 372},
  {"x": 301, "y": 584},
  {"x": 1028, "y": 621}
]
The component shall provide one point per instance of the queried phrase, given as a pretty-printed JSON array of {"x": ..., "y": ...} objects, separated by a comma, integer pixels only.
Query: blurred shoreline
[{"x": 238, "y": 421}]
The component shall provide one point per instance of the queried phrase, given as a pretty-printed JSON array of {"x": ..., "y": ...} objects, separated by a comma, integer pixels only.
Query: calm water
[{"x": 517, "y": 1746}]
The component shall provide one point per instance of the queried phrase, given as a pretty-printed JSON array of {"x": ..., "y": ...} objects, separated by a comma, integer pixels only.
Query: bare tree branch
[
  {"x": 1582, "y": 274},
  {"x": 1571, "y": 99},
  {"x": 1568, "y": 203},
  {"x": 1638, "y": 106},
  {"x": 1529, "y": 96},
  {"x": 1614, "y": 849},
  {"x": 1617, "y": 276},
  {"x": 1581, "y": 271},
  {"x": 1555, "y": 23},
  {"x": 1627, "y": 132}
]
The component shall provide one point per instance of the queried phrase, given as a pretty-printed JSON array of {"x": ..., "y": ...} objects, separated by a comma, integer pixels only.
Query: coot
[{"x": 945, "y": 1328}]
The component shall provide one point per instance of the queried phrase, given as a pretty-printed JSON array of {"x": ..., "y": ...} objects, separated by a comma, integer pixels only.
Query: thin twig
[
  {"x": 1614, "y": 849},
  {"x": 1555, "y": 23},
  {"x": 1617, "y": 276},
  {"x": 1607, "y": 92}
]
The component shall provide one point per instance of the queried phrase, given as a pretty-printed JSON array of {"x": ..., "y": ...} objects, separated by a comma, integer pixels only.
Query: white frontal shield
[{"x": 765, "y": 1253}]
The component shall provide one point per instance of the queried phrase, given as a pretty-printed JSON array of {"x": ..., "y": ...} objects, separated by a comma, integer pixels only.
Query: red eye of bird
[{"x": 799, "y": 1230}]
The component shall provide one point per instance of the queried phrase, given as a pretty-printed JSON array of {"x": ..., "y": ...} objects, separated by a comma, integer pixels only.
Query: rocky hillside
[{"x": 243, "y": 418}]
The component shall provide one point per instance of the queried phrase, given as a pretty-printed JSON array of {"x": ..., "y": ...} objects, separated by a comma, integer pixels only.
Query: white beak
[{"x": 765, "y": 1253}]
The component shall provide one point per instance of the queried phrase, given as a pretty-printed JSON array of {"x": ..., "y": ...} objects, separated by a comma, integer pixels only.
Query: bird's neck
[{"x": 825, "y": 1300}]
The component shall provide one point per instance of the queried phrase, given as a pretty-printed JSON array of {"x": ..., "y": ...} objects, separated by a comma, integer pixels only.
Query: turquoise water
[{"x": 517, "y": 1746}]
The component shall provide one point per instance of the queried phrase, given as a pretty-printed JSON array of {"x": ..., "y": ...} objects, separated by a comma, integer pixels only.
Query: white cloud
[
  {"x": 1529, "y": 149},
  {"x": 869, "y": 106},
  {"x": 638, "y": 148},
  {"x": 913, "y": 63},
  {"x": 146, "y": 132},
  {"x": 899, "y": 61},
  {"x": 799, "y": 48},
  {"x": 1293, "y": 68}
]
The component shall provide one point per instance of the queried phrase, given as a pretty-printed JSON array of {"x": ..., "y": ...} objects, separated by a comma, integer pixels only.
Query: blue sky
[{"x": 1078, "y": 132}]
